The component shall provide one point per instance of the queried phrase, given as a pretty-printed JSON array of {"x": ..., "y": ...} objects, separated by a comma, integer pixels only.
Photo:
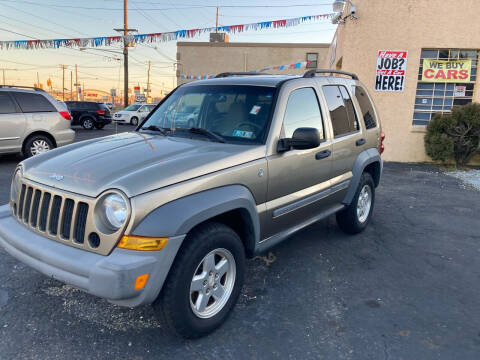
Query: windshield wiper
[
  {"x": 212, "y": 135},
  {"x": 155, "y": 128}
]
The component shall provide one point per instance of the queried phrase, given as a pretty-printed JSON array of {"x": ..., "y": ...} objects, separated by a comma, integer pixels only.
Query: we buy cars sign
[{"x": 391, "y": 70}]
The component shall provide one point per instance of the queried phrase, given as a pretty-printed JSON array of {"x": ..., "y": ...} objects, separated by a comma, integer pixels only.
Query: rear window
[
  {"x": 30, "y": 103},
  {"x": 6, "y": 104},
  {"x": 366, "y": 107}
]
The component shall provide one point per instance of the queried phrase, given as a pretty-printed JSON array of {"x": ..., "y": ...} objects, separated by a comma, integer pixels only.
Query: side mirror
[{"x": 303, "y": 138}]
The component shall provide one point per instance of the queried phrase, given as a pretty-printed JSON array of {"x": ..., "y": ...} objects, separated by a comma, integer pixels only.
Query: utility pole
[
  {"x": 216, "y": 22},
  {"x": 3, "y": 76},
  {"x": 63, "y": 81},
  {"x": 38, "y": 80},
  {"x": 148, "y": 78},
  {"x": 71, "y": 85},
  {"x": 76, "y": 80}
]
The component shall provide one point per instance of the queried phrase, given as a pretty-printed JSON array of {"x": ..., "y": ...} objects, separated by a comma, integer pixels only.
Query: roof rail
[
  {"x": 227, "y": 74},
  {"x": 21, "y": 87},
  {"x": 313, "y": 72}
]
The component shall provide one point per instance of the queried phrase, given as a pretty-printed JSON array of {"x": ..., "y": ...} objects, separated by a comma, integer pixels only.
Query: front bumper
[{"x": 111, "y": 277}]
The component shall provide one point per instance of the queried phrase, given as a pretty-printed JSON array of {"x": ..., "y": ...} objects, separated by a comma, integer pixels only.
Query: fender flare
[
  {"x": 364, "y": 159},
  {"x": 178, "y": 217}
]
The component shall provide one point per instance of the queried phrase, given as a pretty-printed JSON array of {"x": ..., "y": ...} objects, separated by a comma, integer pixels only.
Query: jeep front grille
[{"x": 63, "y": 216}]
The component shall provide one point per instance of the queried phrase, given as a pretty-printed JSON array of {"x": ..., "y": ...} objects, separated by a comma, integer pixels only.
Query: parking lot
[{"x": 406, "y": 288}]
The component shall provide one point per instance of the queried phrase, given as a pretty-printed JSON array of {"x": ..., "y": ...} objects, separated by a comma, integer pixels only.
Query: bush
[{"x": 455, "y": 135}]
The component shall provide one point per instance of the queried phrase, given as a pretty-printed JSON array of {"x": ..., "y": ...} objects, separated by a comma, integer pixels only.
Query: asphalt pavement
[{"x": 408, "y": 287}]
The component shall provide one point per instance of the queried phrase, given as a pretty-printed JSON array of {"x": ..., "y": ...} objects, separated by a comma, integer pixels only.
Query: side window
[
  {"x": 6, "y": 104},
  {"x": 366, "y": 107},
  {"x": 302, "y": 111},
  {"x": 30, "y": 103},
  {"x": 341, "y": 109}
]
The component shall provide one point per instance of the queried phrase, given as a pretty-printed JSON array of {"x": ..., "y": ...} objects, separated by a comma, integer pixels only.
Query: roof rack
[
  {"x": 227, "y": 74},
  {"x": 21, "y": 87},
  {"x": 313, "y": 72}
]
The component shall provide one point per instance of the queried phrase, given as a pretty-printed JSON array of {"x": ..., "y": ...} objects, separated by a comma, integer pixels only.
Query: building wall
[
  {"x": 203, "y": 58},
  {"x": 403, "y": 25}
]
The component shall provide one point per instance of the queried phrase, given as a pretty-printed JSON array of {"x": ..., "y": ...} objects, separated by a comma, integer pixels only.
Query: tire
[
  {"x": 134, "y": 121},
  {"x": 176, "y": 302},
  {"x": 352, "y": 221},
  {"x": 99, "y": 126},
  {"x": 190, "y": 124},
  {"x": 87, "y": 123},
  {"x": 37, "y": 144}
]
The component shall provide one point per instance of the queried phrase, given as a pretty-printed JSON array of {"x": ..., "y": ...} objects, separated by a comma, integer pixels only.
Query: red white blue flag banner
[
  {"x": 157, "y": 37},
  {"x": 297, "y": 65}
]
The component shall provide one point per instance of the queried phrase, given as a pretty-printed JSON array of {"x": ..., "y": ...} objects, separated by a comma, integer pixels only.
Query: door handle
[
  {"x": 322, "y": 154},
  {"x": 360, "y": 142}
]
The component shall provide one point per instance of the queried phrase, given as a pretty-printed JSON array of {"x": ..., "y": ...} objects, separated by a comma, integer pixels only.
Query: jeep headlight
[
  {"x": 16, "y": 184},
  {"x": 115, "y": 211}
]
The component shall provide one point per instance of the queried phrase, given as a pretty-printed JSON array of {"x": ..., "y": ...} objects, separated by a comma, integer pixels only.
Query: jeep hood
[{"x": 134, "y": 163}]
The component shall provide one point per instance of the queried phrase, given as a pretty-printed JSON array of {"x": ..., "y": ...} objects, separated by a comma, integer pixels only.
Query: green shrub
[{"x": 455, "y": 135}]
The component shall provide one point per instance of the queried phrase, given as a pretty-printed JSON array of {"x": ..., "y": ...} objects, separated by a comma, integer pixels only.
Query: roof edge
[{"x": 252, "y": 44}]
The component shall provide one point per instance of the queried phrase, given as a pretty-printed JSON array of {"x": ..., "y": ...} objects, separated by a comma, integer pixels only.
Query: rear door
[
  {"x": 349, "y": 139},
  {"x": 12, "y": 124},
  {"x": 38, "y": 110},
  {"x": 298, "y": 179}
]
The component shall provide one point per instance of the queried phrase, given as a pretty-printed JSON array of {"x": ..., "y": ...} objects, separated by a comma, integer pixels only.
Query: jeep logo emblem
[{"x": 56, "y": 177}]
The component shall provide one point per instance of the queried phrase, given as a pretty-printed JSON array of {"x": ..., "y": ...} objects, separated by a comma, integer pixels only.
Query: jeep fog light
[
  {"x": 115, "y": 210},
  {"x": 16, "y": 184}
]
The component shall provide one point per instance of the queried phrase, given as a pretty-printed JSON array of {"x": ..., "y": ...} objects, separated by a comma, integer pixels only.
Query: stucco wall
[
  {"x": 197, "y": 58},
  {"x": 403, "y": 25}
]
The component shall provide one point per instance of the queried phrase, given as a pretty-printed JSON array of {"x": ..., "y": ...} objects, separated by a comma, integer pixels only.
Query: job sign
[{"x": 391, "y": 70}]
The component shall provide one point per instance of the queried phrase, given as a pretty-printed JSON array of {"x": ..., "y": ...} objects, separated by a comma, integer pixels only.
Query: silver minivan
[{"x": 32, "y": 121}]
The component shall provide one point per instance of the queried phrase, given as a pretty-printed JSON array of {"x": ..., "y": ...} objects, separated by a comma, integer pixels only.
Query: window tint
[
  {"x": 366, "y": 107},
  {"x": 33, "y": 102},
  {"x": 341, "y": 110},
  {"x": 90, "y": 106},
  {"x": 302, "y": 111},
  {"x": 6, "y": 104}
]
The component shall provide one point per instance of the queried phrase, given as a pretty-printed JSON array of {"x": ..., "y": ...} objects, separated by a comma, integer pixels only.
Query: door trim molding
[{"x": 10, "y": 138}]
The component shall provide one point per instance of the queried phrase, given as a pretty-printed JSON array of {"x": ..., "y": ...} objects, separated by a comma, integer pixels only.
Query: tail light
[
  {"x": 382, "y": 137},
  {"x": 101, "y": 112},
  {"x": 66, "y": 115}
]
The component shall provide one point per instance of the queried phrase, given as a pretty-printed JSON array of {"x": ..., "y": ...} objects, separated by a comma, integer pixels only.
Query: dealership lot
[{"x": 406, "y": 288}]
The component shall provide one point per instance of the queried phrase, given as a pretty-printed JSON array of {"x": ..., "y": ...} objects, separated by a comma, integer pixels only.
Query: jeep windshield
[{"x": 233, "y": 113}]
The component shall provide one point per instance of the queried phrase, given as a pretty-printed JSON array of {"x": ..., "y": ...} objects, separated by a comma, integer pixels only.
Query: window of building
[
  {"x": 432, "y": 98},
  {"x": 302, "y": 111},
  {"x": 6, "y": 104},
  {"x": 366, "y": 107},
  {"x": 342, "y": 113},
  {"x": 313, "y": 57},
  {"x": 33, "y": 102}
]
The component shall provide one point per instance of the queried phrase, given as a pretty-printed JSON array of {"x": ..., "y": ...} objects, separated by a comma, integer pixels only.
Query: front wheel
[
  {"x": 204, "y": 282},
  {"x": 134, "y": 121},
  {"x": 356, "y": 216}
]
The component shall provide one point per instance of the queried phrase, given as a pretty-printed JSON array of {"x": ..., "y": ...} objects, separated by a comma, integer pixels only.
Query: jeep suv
[
  {"x": 32, "y": 121},
  {"x": 167, "y": 214},
  {"x": 89, "y": 114}
]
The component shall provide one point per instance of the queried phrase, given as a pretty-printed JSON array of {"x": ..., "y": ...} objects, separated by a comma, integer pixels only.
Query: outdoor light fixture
[{"x": 339, "y": 7}]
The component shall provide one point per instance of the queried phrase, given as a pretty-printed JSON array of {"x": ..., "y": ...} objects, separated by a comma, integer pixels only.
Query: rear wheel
[
  {"x": 134, "y": 121},
  {"x": 99, "y": 126},
  {"x": 37, "y": 144},
  {"x": 355, "y": 218},
  {"x": 87, "y": 123},
  {"x": 204, "y": 282}
]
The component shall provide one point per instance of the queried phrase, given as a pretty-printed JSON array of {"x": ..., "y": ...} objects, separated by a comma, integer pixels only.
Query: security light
[{"x": 338, "y": 6}]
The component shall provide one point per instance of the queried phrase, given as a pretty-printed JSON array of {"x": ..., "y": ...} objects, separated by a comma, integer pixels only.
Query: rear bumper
[
  {"x": 103, "y": 120},
  {"x": 64, "y": 137},
  {"x": 111, "y": 277}
]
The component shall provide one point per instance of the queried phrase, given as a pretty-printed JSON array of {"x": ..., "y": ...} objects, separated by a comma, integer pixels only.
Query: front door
[
  {"x": 298, "y": 178},
  {"x": 12, "y": 124}
]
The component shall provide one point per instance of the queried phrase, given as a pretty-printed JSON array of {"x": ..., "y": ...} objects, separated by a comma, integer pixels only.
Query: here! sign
[
  {"x": 456, "y": 71},
  {"x": 391, "y": 70}
]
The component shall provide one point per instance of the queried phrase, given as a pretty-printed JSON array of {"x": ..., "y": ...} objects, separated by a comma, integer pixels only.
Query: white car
[{"x": 133, "y": 114}]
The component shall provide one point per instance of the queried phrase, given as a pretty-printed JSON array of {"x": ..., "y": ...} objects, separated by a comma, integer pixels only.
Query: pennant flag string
[
  {"x": 157, "y": 37},
  {"x": 297, "y": 65}
]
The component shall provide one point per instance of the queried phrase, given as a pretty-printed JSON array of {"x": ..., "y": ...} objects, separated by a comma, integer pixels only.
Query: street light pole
[{"x": 125, "y": 52}]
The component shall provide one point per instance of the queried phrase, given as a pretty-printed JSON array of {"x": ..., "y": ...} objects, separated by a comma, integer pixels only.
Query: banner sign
[
  {"x": 297, "y": 65},
  {"x": 158, "y": 37},
  {"x": 391, "y": 70},
  {"x": 446, "y": 71}
]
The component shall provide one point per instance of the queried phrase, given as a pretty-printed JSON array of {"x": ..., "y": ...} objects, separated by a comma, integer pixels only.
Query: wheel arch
[
  {"x": 39, "y": 132},
  {"x": 369, "y": 161}
]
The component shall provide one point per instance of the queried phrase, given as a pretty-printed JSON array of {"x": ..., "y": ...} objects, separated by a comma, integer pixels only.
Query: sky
[{"x": 50, "y": 19}]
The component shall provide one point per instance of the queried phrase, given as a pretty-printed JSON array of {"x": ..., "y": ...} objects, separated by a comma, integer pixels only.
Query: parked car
[
  {"x": 89, "y": 114},
  {"x": 32, "y": 121},
  {"x": 133, "y": 114},
  {"x": 168, "y": 215}
]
